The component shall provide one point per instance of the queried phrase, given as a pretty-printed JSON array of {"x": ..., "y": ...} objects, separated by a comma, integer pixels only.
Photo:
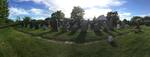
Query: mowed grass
[
  {"x": 17, "y": 44},
  {"x": 34, "y": 31},
  {"x": 88, "y": 36}
]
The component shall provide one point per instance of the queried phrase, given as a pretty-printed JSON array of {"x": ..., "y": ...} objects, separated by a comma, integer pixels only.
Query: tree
[
  {"x": 134, "y": 18},
  {"x": 113, "y": 18},
  {"x": 26, "y": 21},
  {"x": 58, "y": 15},
  {"x": 48, "y": 18},
  {"x": 77, "y": 13},
  {"x": 146, "y": 20},
  {"x": 94, "y": 18},
  {"x": 126, "y": 21},
  {"x": 4, "y": 11},
  {"x": 9, "y": 21}
]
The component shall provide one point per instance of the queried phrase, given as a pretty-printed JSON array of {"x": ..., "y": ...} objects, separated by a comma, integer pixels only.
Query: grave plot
[{"x": 77, "y": 36}]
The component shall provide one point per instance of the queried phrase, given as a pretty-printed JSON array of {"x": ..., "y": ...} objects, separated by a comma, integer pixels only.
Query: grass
[
  {"x": 69, "y": 36},
  {"x": 17, "y": 44},
  {"x": 34, "y": 31}
]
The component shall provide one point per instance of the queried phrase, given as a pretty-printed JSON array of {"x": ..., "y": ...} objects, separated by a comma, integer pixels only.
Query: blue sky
[{"x": 40, "y": 9}]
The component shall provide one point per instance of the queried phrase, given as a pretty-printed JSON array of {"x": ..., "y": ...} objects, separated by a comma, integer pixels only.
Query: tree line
[{"x": 76, "y": 14}]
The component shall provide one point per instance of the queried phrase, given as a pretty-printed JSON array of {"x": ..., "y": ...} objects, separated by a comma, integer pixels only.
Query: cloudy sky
[{"x": 40, "y": 9}]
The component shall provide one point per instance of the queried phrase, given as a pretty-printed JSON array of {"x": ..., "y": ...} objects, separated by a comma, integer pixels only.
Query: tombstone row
[{"x": 101, "y": 23}]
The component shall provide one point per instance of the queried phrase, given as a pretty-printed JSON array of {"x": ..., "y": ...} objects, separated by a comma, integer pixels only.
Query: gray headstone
[{"x": 84, "y": 25}]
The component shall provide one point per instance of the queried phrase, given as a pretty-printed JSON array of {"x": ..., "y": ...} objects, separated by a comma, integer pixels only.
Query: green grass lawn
[
  {"x": 69, "y": 36},
  {"x": 18, "y": 44},
  {"x": 34, "y": 31}
]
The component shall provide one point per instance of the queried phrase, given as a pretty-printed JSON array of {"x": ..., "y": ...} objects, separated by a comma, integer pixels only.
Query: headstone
[
  {"x": 96, "y": 28},
  {"x": 91, "y": 25},
  {"x": 74, "y": 28},
  {"x": 118, "y": 26},
  {"x": 54, "y": 25},
  {"x": 111, "y": 41},
  {"x": 84, "y": 26}
]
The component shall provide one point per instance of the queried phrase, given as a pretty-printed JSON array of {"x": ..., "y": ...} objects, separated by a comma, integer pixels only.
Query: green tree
[
  {"x": 77, "y": 13},
  {"x": 58, "y": 15},
  {"x": 26, "y": 21},
  {"x": 135, "y": 18},
  {"x": 146, "y": 20},
  {"x": 126, "y": 21},
  {"x": 113, "y": 18},
  {"x": 4, "y": 11}
]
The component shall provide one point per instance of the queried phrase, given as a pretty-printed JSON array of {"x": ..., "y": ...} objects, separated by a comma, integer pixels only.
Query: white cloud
[
  {"x": 33, "y": 12},
  {"x": 17, "y": 11},
  {"x": 125, "y": 15},
  {"x": 95, "y": 7},
  {"x": 36, "y": 11},
  {"x": 90, "y": 13}
]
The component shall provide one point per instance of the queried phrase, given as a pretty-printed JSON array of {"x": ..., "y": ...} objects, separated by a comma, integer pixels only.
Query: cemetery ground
[
  {"x": 88, "y": 36},
  {"x": 14, "y": 43}
]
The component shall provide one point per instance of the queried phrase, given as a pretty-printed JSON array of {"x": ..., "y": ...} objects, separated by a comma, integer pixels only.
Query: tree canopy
[
  {"x": 58, "y": 15},
  {"x": 4, "y": 11},
  {"x": 134, "y": 18},
  {"x": 113, "y": 18},
  {"x": 77, "y": 13}
]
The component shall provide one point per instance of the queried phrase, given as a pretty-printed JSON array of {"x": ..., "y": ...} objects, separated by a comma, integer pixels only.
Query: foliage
[
  {"x": 126, "y": 21},
  {"x": 146, "y": 20},
  {"x": 135, "y": 18},
  {"x": 58, "y": 15},
  {"x": 113, "y": 18},
  {"x": 26, "y": 21},
  {"x": 48, "y": 18},
  {"x": 9, "y": 21},
  {"x": 77, "y": 13},
  {"x": 3, "y": 11}
]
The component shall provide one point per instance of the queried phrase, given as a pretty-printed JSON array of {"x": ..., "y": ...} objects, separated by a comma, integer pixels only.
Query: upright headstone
[
  {"x": 74, "y": 27},
  {"x": 118, "y": 26},
  {"x": 84, "y": 26},
  {"x": 111, "y": 41},
  {"x": 96, "y": 28}
]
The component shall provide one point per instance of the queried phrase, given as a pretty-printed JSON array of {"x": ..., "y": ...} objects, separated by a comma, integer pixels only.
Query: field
[{"x": 14, "y": 43}]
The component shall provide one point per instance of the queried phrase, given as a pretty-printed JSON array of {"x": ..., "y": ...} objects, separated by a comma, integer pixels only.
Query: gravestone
[
  {"x": 96, "y": 28},
  {"x": 84, "y": 26},
  {"x": 118, "y": 26},
  {"x": 68, "y": 26},
  {"x": 54, "y": 25},
  {"x": 111, "y": 41},
  {"x": 74, "y": 27}
]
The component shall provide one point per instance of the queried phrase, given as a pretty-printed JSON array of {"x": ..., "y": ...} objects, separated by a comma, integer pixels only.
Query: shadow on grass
[
  {"x": 49, "y": 32},
  {"x": 98, "y": 33},
  {"x": 59, "y": 33},
  {"x": 81, "y": 37},
  {"x": 72, "y": 33}
]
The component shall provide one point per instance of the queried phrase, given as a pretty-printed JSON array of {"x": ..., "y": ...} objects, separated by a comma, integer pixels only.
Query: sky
[{"x": 41, "y": 9}]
